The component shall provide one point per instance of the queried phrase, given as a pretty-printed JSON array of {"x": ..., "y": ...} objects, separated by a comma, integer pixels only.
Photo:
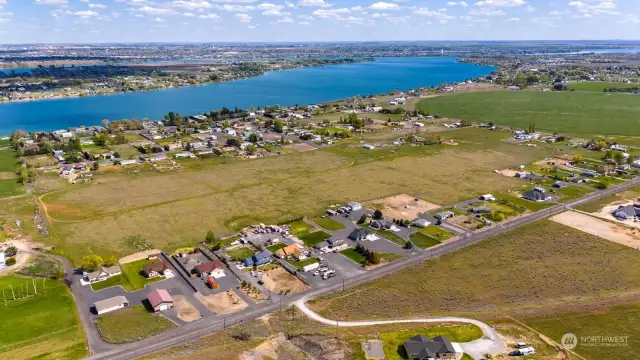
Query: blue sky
[{"x": 53, "y": 21}]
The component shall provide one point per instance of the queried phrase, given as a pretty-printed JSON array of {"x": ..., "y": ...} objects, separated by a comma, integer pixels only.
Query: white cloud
[
  {"x": 153, "y": 11},
  {"x": 188, "y": 14},
  {"x": 384, "y": 6},
  {"x": 243, "y": 17},
  {"x": 159, "y": 20},
  {"x": 286, "y": 20},
  {"x": 379, "y": 15},
  {"x": 305, "y": 17},
  {"x": 97, "y": 6},
  {"x": 209, "y": 16},
  {"x": 304, "y": 23},
  {"x": 331, "y": 13},
  {"x": 514, "y": 19},
  {"x": 272, "y": 13},
  {"x": 487, "y": 12},
  {"x": 501, "y": 3},
  {"x": 240, "y": 8},
  {"x": 461, "y": 3},
  {"x": 193, "y": 4},
  {"x": 52, "y": 2},
  {"x": 315, "y": 3},
  {"x": 530, "y": 8},
  {"x": 270, "y": 6},
  {"x": 426, "y": 12}
]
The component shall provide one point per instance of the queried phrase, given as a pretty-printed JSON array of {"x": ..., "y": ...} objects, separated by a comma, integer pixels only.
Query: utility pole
[
  {"x": 12, "y": 293},
  {"x": 35, "y": 290}
]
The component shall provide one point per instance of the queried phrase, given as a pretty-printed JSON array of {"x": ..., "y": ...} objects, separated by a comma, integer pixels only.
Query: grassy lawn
[
  {"x": 518, "y": 202},
  {"x": 466, "y": 357},
  {"x": 599, "y": 86},
  {"x": 328, "y": 223},
  {"x": 393, "y": 341},
  {"x": 577, "y": 112},
  {"x": 43, "y": 326},
  {"x": 423, "y": 241},
  {"x": 131, "y": 278},
  {"x": 313, "y": 238},
  {"x": 570, "y": 193},
  {"x": 543, "y": 265},
  {"x": 300, "y": 227},
  {"x": 276, "y": 247},
  {"x": 8, "y": 161},
  {"x": 389, "y": 236},
  {"x": 615, "y": 321},
  {"x": 131, "y": 324},
  {"x": 353, "y": 255},
  {"x": 11, "y": 187},
  {"x": 435, "y": 232},
  {"x": 303, "y": 263},
  {"x": 240, "y": 253},
  {"x": 126, "y": 151}
]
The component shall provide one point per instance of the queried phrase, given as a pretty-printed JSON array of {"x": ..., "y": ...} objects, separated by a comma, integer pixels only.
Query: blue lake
[{"x": 289, "y": 87}]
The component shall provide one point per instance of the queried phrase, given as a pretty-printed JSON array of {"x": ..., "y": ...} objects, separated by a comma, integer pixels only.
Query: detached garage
[
  {"x": 160, "y": 300},
  {"x": 111, "y": 304}
]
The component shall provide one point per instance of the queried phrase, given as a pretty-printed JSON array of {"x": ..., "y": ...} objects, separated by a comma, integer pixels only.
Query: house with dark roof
[
  {"x": 626, "y": 212},
  {"x": 361, "y": 234},
  {"x": 213, "y": 269},
  {"x": 381, "y": 224},
  {"x": 158, "y": 268},
  {"x": 258, "y": 259},
  {"x": 421, "y": 347},
  {"x": 536, "y": 194}
]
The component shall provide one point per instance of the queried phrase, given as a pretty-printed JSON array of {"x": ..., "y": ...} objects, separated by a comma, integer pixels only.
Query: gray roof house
[
  {"x": 321, "y": 245},
  {"x": 421, "y": 223},
  {"x": 110, "y": 304},
  {"x": 380, "y": 224},
  {"x": 422, "y": 348},
  {"x": 626, "y": 212},
  {"x": 103, "y": 273},
  {"x": 360, "y": 234},
  {"x": 444, "y": 215},
  {"x": 560, "y": 184},
  {"x": 355, "y": 206},
  {"x": 536, "y": 194}
]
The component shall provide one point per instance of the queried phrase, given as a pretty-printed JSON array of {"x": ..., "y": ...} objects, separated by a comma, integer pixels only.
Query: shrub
[
  {"x": 11, "y": 251},
  {"x": 10, "y": 261}
]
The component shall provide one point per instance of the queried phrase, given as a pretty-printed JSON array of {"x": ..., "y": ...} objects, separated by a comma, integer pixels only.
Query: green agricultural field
[
  {"x": 599, "y": 86},
  {"x": 42, "y": 326},
  {"x": 314, "y": 238},
  {"x": 240, "y": 253},
  {"x": 327, "y": 223},
  {"x": 300, "y": 227},
  {"x": 11, "y": 187},
  {"x": 540, "y": 266},
  {"x": 575, "y": 112},
  {"x": 354, "y": 256},
  {"x": 393, "y": 341},
  {"x": 621, "y": 321},
  {"x": 423, "y": 241},
  {"x": 231, "y": 193},
  {"x": 8, "y": 161},
  {"x": 131, "y": 324}
]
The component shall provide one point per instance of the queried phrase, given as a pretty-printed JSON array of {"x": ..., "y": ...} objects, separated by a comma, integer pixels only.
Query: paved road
[
  {"x": 490, "y": 343},
  {"x": 205, "y": 327}
]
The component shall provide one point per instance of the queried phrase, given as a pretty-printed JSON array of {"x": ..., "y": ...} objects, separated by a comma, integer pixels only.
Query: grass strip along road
[{"x": 205, "y": 327}]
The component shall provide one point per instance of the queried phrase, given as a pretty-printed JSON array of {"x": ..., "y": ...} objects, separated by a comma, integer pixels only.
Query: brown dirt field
[
  {"x": 223, "y": 303},
  {"x": 461, "y": 220},
  {"x": 302, "y": 147},
  {"x": 404, "y": 206},
  {"x": 508, "y": 172},
  {"x": 606, "y": 211},
  {"x": 603, "y": 229},
  {"x": 186, "y": 311},
  {"x": 556, "y": 161},
  {"x": 138, "y": 256},
  {"x": 279, "y": 280},
  {"x": 266, "y": 350}
]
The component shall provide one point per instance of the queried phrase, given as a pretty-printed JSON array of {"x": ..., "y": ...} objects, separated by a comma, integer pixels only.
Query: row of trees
[{"x": 372, "y": 257}]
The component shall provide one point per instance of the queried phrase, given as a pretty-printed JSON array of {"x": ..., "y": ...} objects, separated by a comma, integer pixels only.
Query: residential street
[{"x": 205, "y": 327}]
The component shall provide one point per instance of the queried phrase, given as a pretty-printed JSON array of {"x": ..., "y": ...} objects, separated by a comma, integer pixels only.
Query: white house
[
  {"x": 2, "y": 259},
  {"x": 487, "y": 197},
  {"x": 354, "y": 206},
  {"x": 128, "y": 162},
  {"x": 111, "y": 304}
]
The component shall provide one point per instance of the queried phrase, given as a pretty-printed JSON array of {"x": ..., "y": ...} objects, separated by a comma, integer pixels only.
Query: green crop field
[
  {"x": 599, "y": 86},
  {"x": 229, "y": 194},
  {"x": 540, "y": 266},
  {"x": 42, "y": 326},
  {"x": 11, "y": 187},
  {"x": 131, "y": 324},
  {"x": 8, "y": 161},
  {"x": 575, "y": 112},
  {"x": 354, "y": 256}
]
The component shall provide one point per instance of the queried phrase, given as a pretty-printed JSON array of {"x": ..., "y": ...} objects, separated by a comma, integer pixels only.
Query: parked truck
[{"x": 212, "y": 283}]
